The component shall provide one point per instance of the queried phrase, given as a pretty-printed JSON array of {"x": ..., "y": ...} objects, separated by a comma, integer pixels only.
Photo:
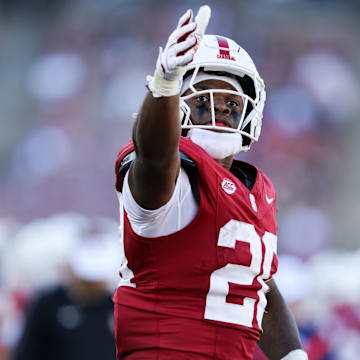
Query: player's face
[{"x": 227, "y": 107}]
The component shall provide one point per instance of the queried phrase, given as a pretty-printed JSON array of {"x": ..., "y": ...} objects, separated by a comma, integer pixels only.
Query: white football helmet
[{"x": 221, "y": 55}]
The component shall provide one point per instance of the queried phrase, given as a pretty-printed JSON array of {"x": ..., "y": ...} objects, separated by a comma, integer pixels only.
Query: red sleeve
[{"x": 123, "y": 152}]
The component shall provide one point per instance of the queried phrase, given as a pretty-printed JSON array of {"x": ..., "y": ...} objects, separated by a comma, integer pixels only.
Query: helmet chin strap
[{"x": 217, "y": 144}]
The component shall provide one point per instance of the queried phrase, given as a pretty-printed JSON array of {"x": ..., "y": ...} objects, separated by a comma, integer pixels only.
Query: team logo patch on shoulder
[{"x": 228, "y": 186}]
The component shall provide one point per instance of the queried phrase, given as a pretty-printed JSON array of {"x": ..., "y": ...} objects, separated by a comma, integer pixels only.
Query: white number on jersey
[{"x": 216, "y": 306}]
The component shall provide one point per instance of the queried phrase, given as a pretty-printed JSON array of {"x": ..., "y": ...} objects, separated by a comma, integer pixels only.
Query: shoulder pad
[
  {"x": 186, "y": 161},
  {"x": 126, "y": 161},
  {"x": 190, "y": 167}
]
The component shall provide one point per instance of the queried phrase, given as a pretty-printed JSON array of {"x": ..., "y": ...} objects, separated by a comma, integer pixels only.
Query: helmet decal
[{"x": 224, "y": 52}]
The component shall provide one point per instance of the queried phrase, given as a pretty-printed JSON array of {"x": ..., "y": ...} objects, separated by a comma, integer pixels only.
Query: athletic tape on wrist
[
  {"x": 162, "y": 87},
  {"x": 296, "y": 355}
]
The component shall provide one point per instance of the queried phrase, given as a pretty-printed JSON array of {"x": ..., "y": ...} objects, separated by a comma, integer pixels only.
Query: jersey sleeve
[
  {"x": 119, "y": 164},
  {"x": 173, "y": 216}
]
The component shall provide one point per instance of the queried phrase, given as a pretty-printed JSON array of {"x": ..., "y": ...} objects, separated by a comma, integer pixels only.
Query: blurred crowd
[
  {"x": 57, "y": 276},
  {"x": 73, "y": 72}
]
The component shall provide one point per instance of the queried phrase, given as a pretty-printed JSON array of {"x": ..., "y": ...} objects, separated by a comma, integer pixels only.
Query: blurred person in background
[
  {"x": 199, "y": 229},
  {"x": 73, "y": 320},
  {"x": 295, "y": 282},
  {"x": 10, "y": 301},
  {"x": 335, "y": 315}
]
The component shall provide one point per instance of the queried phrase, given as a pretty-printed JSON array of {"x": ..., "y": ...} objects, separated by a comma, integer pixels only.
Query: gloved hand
[{"x": 179, "y": 51}]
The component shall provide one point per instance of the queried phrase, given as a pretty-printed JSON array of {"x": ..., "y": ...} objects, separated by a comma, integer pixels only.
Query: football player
[{"x": 198, "y": 228}]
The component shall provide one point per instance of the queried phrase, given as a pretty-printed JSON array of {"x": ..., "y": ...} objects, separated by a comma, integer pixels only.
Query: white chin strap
[{"x": 217, "y": 144}]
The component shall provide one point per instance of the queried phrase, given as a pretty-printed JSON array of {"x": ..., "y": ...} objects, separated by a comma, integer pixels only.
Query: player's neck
[{"x": 226, "y": 162}]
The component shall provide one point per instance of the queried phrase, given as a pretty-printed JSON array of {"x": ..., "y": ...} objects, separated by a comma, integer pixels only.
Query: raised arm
[
  {"x": 280, "y": 339},
  {"x": 156, "y": 132}
]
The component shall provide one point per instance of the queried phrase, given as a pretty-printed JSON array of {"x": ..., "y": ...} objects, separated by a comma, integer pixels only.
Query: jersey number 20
[{"x": 216, "y": 306}]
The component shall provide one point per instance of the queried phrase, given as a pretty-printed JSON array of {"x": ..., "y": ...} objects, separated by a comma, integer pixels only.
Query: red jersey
[{"x": 199, "y": 293}]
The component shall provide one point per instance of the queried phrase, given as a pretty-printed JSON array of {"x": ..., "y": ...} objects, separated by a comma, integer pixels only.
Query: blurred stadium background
[{"x": 73, "y": 72}]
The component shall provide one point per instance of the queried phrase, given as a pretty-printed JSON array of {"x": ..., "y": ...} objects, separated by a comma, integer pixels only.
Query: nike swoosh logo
[{"x": 269, "y": 201}]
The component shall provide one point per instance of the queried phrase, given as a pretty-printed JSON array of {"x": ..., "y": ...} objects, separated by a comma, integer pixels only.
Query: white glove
[{"x": 179, "y": 51}]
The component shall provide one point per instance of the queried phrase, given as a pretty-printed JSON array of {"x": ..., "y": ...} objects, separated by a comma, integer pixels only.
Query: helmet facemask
[{"x": 246, "y": 127}]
